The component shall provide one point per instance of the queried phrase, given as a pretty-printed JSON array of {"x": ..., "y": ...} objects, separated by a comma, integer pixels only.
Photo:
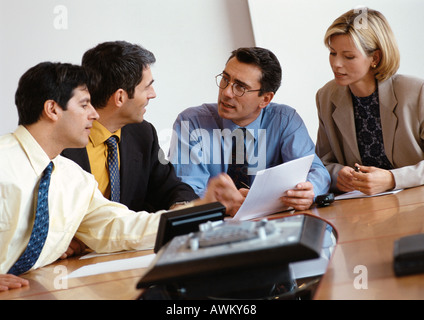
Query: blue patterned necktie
[
  {"x": 113, "y": 163},
  {"x": 40, "y": 228},
  {"x": 237, "y": 169}
]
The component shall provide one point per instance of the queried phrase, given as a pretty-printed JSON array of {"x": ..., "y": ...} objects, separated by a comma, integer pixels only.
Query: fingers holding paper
[{"x": 300, "y": 198}]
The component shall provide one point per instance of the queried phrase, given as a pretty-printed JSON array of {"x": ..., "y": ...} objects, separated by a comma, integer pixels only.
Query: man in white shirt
[{"x": 55, "y": 113}]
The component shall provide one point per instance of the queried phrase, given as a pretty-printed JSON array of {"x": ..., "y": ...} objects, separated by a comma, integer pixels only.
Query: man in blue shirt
[{"x": 201, "y": 145}]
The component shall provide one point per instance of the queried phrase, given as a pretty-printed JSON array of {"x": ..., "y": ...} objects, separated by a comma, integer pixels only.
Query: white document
[
  {"x": 309, "y": 268},
  {"x": 95, "y": 254},
  {"x": 358, "y": 194},
  {"x": 271, "y": 184},
  {"x": 113, "y": 266}
]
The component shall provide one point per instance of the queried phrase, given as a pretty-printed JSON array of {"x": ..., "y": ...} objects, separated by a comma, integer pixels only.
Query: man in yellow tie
[{"x": 121, "y": 87}]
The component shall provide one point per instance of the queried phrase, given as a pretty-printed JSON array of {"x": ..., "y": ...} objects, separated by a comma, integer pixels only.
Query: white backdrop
[
  {"x": 294, "y": 31},
  {"x": 191, "y": 40}
]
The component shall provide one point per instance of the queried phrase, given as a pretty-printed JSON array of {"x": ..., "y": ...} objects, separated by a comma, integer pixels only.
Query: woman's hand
[{"x": 372, "y": 180}]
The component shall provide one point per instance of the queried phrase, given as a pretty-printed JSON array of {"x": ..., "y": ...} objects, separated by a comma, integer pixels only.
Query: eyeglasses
[{"x": 238, "y": 89}]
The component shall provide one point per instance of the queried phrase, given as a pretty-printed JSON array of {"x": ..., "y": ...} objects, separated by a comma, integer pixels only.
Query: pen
[{"x": 245, "y": 184}]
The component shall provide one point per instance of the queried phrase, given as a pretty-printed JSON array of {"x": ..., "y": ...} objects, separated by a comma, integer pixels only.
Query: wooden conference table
[{"x": 361, "y": 266}]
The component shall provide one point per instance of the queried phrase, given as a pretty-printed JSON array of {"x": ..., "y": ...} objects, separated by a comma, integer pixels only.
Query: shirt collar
[
  {"x": 251, "y": 127},
  {"x": 99, "y": 134},
  {"x": 36, "y": 155}
]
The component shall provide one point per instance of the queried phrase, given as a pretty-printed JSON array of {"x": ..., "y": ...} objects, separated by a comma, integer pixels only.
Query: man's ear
[
  {"x": 119, "y": 97},
  {"x": 52, "y": 110},
  {"x": 266, "y": 99}
]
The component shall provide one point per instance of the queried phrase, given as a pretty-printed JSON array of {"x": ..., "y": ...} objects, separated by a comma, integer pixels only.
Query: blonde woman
[{"x": 370, "y": 118}]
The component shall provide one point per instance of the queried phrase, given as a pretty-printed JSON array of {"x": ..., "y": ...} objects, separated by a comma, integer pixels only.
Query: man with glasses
[{"x": 265, "y": 134}]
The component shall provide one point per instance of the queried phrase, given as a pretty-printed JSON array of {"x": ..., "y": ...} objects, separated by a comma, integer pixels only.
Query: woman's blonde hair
[{"x": 370, "y": 31}]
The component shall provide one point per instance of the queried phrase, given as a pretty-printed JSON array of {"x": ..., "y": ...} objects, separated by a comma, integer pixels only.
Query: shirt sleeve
[
  {"x": 411, "y": 174},
  {"x": 189, "y": 156},
  {"x": 110, "y": 226},
  {"x": 296, "y": 143}
]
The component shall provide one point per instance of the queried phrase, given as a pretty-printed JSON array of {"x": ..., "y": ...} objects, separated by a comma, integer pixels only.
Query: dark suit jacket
[{"x": 146, "y": 184}]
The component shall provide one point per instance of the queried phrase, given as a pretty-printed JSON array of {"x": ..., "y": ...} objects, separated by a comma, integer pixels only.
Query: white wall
[
  {"x": 191, "y": 39},
  {"x": 294, "y": 31}
]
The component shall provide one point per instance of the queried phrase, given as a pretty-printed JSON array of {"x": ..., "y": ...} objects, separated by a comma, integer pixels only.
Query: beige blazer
[{"x": 402, "y": 119}]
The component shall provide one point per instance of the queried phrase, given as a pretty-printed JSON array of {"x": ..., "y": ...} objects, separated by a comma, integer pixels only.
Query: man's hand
[
  {"x": 9, "y": 281},
  {"x": 221, "y": 188},
  {"x": 300, "y": 198},
  {"x": 76, "y": 247}
]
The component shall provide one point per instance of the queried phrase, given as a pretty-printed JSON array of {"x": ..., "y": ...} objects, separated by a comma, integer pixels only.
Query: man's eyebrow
[
  {"x": 237, "y": 80},
  {"x": 151, "y": 82},
  {"x": 86, "y": 100}
]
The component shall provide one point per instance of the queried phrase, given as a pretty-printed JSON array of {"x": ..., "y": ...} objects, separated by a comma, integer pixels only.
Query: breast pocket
[{"x": 13, "y": 205}]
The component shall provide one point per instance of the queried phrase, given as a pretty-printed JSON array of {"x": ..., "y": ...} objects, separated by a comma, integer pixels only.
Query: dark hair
[
  {"x": 115, "y": 65},
  {"x": 46, "y": 81},
  {"x": 266, "y": 61}
]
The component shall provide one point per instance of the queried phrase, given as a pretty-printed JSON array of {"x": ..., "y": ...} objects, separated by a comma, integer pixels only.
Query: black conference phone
[{"x": 227, "y": 258}]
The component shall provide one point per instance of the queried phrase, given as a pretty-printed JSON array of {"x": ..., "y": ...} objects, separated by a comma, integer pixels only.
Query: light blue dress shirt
[{"x": 201, "y": 145}]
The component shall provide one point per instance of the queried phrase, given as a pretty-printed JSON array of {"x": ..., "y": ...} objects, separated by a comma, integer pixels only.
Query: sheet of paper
[
  {"x": 95, "y": 254},
  {"x": 113, "y": 266},
  {"x": 270, "y": 184},
  {"x": 309, "y": 268},
  {"x": 357, "y": 194}
]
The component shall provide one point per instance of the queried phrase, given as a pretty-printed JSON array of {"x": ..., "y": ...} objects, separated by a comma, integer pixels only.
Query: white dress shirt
[{"x": 76, "y": 206}]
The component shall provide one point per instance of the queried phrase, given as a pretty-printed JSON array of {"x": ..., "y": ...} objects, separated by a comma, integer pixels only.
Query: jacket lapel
[
  {"x": 342, "y": 99},
  {"x": 130, "y": 167},
  {"x": 80, "y": 156},
  {"x": 388, "y": 103},
  {"x": 344, "y": 118}
]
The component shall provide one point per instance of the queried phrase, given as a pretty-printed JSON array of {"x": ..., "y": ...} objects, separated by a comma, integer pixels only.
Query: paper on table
[
  {"x": 95, "y": 254},
  {"x": 270, "y": 184},
  {"x": 113, "y": 266},
  {"x": 359, "y": 194}
]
